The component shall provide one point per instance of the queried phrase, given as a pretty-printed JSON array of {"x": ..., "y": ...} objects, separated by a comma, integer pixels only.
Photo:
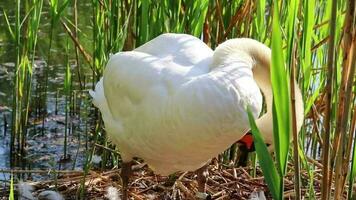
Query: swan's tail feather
[{"x": 99, "y": 99}]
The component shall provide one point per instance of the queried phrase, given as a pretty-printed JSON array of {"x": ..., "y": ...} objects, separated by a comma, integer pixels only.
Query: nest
[{"x": 224, "y": 182}]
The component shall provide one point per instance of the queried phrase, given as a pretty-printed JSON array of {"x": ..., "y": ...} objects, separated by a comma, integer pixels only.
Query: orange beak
[{"x": 247, "y": 140}]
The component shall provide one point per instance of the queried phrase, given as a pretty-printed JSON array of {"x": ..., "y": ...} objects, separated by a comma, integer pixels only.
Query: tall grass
[
  {"x": 68, "y": 92},
  {"x": 25, "y": 56},
  {"x": 311, "y": 40}
]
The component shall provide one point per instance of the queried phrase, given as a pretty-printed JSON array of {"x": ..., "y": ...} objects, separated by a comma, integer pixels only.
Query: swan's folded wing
[{"x": 128, "y": 79}]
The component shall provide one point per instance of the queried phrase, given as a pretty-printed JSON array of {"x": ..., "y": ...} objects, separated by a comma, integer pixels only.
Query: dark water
[{"x": 45, "y": 143}]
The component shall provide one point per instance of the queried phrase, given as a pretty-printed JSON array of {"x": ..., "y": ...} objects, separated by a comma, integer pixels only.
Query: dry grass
[{"x": 224, "y": 182}]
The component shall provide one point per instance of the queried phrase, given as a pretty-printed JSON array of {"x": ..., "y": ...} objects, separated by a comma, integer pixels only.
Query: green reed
[
  {"x": 25, "y": 57},
  {"x": 12, "y": 189},
  {"x": 68, "y": 92},
  {"x": 56, "y": 12}
]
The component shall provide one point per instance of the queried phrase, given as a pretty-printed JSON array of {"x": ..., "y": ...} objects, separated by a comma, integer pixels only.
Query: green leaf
[
  {"x": 12, "y": 195},
  {"x": 269, "y": 170},
  {"x": 315, "y": 95},
  {"x": 57, "y": 12},
  {"x": 197, "y": 17},
  {"x": 144, "y": 21},
  {"x": 9, "y": 26},
  {"x": 307, "y": 33},
  {"x": 62, "y": 7},
  {"x": 292, "y": 15},
  {"x": 68, "y": 75},
  {"x": 260, "y": 19},
  {"x": 281, "y": 100}
]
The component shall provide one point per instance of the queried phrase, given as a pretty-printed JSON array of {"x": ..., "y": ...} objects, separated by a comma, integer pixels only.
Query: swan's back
[{"x": 186, "y": 50}]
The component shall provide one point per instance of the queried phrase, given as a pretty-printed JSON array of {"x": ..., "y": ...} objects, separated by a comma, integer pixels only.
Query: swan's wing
[
  {"x": 215, "y": 103},
  {"x": 185, "y": 50},
  {"x": 128, "y": 79}
]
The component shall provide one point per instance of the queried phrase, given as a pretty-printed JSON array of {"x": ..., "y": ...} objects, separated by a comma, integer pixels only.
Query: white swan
[{"x": 176, "y": 103}]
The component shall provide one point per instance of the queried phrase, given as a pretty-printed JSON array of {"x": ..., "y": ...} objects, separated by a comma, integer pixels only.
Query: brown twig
[{"x": 87, "y": 57}]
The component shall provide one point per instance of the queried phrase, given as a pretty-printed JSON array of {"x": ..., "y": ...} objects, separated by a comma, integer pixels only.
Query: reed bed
[{"x": 311, "y": 40}]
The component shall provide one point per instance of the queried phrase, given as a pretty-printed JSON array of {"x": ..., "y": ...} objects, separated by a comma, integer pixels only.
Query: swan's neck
[
  {"x": 260, "y": 57},
  {"x": 254, "y": 52}
]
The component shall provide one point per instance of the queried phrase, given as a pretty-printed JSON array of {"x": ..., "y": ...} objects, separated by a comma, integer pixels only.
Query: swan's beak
[{"x": 246, "y": 145}]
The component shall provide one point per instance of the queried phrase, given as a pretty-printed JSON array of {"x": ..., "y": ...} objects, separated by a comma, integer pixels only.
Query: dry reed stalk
[{"x": 329, "y": 92}]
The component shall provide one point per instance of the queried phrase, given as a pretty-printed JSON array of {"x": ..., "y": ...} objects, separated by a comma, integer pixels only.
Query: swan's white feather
[
  {"x": 112, "y": 193},
  {"x": 174, "y": 104}
]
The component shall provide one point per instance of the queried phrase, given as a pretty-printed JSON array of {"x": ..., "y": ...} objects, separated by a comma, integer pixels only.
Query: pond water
[{"x": 44, "y": 147}]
